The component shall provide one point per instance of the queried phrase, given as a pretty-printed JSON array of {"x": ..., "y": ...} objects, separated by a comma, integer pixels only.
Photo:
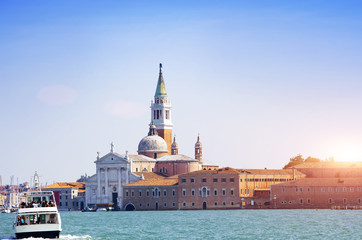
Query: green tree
[
  {"x": 294, "y": 161},
  {"x": 312, "y": 159}
]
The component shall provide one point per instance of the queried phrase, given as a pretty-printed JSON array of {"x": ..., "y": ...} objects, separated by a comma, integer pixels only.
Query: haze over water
[{"x": 222, "y": 224}]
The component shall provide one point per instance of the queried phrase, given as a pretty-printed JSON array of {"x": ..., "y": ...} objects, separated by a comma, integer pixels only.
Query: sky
[{"x": 260, "y": 81}]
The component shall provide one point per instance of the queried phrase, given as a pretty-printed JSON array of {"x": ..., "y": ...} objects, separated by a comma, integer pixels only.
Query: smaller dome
[{"x": 153, "y": 144}]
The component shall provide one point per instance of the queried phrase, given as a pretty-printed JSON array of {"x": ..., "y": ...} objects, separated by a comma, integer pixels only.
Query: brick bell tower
[{"x": 161, "y": 112}]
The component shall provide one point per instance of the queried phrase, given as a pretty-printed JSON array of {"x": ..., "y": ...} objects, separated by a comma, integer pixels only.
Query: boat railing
[
  {"x": 35, "y": 219},
  {"x": 37, "y": 205}
]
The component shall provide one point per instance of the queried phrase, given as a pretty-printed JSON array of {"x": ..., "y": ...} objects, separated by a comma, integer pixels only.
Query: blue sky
[{"x": 261, "y": 81}]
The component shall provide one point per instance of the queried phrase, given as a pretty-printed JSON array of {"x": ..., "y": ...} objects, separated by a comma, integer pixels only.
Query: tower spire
[
  {"x": 161, "y": 112},
  {"x": 160, "y": 89},
  {"x": 174, "y": 147}
]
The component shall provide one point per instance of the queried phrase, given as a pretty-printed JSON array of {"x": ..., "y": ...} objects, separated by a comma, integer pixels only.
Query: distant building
[
  {"x": 69, "y": 196},
  {"x": 332, "y": 193},
  {"x": 330, "y": 169}
]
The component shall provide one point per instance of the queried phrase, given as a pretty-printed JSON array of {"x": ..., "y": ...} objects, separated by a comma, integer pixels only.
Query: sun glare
[{"x": 349, "y": 154}]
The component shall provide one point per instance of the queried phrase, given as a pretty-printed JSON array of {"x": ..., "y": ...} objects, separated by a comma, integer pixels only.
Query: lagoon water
[{"x": 228, "y": 224}]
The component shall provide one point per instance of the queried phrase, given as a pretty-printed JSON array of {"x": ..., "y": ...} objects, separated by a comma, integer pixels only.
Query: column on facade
[
  {"x": 99, "y": 181},
  {"x": 120, "y": 188},
  {"x": 106, "y": 183}
]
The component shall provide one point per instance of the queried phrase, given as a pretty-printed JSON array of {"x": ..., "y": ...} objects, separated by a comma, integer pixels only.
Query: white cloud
[
  {"x": 126, "y": 109},
  {"x": 57, "y": 95}
]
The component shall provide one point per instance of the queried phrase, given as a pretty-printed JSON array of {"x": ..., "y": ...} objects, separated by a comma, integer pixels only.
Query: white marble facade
[{"x": 105, "y": 187}]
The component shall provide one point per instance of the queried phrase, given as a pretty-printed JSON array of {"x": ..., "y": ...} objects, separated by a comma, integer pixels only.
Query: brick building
[
  {"x": 230, "y": 188},
  {"x": 155, "y": 194},
  {"x": 335, "y": 193}
]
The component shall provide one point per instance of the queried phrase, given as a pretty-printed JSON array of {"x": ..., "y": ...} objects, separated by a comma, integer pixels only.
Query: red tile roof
[
  {"x": 229, "y": 170},
  {"x": 155, "y": 182},
  {"x": 80, "y": 185},
  {"x": 271, "y": 172},
  {"x": 323, "y": 182},
  {"x": 151, "y": 175},
  {"x": 226, "y": 170},
  {"x": 329, "y": 165}
]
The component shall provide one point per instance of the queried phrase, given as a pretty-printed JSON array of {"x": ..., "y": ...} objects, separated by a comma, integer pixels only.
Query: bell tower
[
  {"x": 161, "y": 112},
  {"x": 198, "y": 150}
]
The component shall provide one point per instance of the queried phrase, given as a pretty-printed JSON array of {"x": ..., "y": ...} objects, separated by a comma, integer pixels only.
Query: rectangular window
[
  {"x": 183, "y": 180},
  {"x": 66, "y": 203},
  {"x": 337, "y": 189},
  {"x": 344, "y": 189},
  {"x": 126, "y": 193},
  {"x": 140, "y": 193},
  {"x": 165, "y": 192},
  {"x": 148, "y": 193},
  {"x": 330, "y": 201},
  {"x": 322, "y": 189},
  {"x": 329, "y": 189},
  {"x": 132, "y": 193},
  {"x": 351, "y": 189},
  {"x": 308, "y": 201},
  {"x": 204, "y": 180},
  {"x": 232, "y": 192},
  {"x": 223, "y": 179},
  {"x": 301, "y": 201},
  {"x": 241, "y": 191},
  {"x": 283, "y": 189},
  {"x": 224, "y": 191},
  {"x": 192, "y": 180},
  {"x": 215, "y": 192},
  {"x": 173, "y": 192},
  {"x": 167, "y": 114},
  {"x": 241, "y": 180},
  {"x": 184, "y": 192},
  {"x": 358, "y": 189},
  {"x": 344, "y": 201},
  {"x": 231, "y": 179},
  {"x": 214, "y": 180},
  {"x": 193, "y": 192}
]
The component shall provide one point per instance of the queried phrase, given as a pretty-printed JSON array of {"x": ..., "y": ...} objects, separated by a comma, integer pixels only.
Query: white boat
[
  {"x": 37, "y": 216},
  {"x": 101, "y": 210}
]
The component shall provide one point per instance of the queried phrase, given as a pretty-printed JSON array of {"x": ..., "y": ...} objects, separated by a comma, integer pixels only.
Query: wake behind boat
[{"x": 37, "y": 216}]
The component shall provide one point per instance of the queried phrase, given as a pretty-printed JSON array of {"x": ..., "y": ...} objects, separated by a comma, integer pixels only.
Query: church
[{"x": 157, "y": 158}]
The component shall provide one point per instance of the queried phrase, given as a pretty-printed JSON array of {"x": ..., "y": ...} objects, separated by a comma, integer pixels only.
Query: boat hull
[{"x": 45, "y": 234}]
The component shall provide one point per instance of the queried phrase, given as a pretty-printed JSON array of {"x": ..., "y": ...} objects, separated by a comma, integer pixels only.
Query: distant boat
[
  {"x": 101, "y": 210},
  {"x": 38, "y": 216}
]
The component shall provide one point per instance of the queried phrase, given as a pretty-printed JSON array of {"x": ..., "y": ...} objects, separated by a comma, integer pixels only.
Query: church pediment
[{"x": 112, "y": 158}]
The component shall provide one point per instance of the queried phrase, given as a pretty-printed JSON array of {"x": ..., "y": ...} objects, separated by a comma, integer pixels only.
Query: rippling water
[{"x": 232, "y": 224}]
